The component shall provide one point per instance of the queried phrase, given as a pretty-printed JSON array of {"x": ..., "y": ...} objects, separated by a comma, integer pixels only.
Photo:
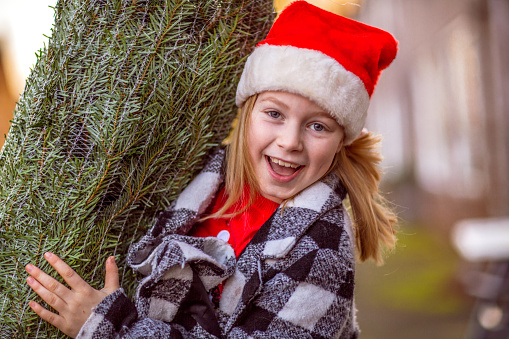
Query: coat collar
[{"x": 282, "y": 230}]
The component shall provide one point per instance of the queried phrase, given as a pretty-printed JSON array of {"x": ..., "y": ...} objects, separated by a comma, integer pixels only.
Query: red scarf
[{"x": 239, "y": 230}]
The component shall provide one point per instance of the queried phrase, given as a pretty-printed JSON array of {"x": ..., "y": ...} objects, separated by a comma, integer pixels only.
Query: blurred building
[
  {"x": 443, "y": 107},
  {"x": 7, "y": 102},
  {"x": 23, "y": 26}
]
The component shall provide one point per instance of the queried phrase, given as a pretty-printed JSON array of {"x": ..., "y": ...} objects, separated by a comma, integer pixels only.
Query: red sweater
[{"x": 239, "y": 230}]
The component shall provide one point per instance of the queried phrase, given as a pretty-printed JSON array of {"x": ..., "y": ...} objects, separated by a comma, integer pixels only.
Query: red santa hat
[{"x": 330, "y": 59}]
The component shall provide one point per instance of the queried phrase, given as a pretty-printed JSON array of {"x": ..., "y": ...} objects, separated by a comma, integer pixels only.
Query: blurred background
[{"x": 442, "y": 109}]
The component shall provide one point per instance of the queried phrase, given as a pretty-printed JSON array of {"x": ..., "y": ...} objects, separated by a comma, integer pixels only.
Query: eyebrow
[
  {"x": 279, "y": 102},
  {"x": 276, "y": 101},
  {"x": 325, "y": 115}
]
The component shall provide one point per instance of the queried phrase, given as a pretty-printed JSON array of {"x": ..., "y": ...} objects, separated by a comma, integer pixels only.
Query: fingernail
[
  {"x": 29, "y": 268},
  {"x": 47, "y": 255},
  {"x": 112, "y": 259},
  {"x": 30, "y": 280}
]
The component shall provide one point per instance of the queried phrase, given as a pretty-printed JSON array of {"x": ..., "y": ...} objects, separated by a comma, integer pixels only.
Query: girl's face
[{"x": 291, "y": 143}]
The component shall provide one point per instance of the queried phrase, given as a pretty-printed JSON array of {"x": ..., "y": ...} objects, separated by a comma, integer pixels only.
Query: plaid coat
[{"x": 295, "y": 279}]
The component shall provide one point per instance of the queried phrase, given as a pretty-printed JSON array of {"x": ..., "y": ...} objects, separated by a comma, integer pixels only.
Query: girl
[{"x": 260, "y": 244}]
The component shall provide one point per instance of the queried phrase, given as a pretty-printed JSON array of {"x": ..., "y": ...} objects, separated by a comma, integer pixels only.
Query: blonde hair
[
  {"x": 357, "y": 166},
  {"x": 239, "y": 170}
]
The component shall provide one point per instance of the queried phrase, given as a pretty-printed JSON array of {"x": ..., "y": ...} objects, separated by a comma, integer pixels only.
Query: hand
[{"x": 74, "y": 305}]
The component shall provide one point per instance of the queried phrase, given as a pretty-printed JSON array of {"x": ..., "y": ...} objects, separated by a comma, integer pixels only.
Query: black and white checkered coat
[{"x": 295, "y": 279}]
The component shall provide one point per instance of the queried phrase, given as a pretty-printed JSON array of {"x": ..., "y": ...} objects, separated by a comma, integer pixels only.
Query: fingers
[
  {"x": 111, "y": 282},
  {"x": 49, "y": 289},
  {"x": 73, "y": 305},
  {"x": 66, "y": 272},
  {"x": 50, "y": 298},
  {"x": 52, "y": 318}
]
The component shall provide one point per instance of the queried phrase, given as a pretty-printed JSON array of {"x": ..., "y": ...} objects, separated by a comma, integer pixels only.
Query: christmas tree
[{"x": 118, "y": 114}]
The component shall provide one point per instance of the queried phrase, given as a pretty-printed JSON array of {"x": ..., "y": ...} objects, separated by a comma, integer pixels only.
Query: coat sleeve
[
  {"x": 172, "y": 299},
  {"x": 117, "y": 317}
]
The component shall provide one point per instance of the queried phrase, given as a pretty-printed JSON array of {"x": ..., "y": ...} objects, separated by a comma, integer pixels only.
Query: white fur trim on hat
[{"x": 311, "y": 74}]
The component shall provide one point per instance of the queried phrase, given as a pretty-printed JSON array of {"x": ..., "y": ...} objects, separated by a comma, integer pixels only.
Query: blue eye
[
  {"x": 274, "y": 114},
  {"x": 317, "y": 127}
]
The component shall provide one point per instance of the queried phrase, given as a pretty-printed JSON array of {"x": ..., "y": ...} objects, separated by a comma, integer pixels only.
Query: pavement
[{"x": 417, "y": 293}]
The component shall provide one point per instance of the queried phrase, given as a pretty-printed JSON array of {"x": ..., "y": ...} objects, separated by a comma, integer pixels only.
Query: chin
[{"x": 278, "y": 197}]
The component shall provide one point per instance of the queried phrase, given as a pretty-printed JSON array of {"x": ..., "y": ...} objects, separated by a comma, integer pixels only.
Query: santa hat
[{"x": 330, "y": 59}]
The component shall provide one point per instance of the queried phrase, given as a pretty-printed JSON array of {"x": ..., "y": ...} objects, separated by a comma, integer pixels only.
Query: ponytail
[{"x": 357, "y": 166}]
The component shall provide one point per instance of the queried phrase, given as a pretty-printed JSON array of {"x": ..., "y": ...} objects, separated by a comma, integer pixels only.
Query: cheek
[
  {"x": 325, "y": 159},
  {"x": 258, "y": 136}
]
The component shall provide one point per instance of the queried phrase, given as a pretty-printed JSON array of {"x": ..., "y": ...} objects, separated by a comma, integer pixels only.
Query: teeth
[{"x": 282, "y": 163}]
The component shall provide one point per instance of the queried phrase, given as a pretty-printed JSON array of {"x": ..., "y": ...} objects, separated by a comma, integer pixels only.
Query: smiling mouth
[{"x": 283, "y": 168}]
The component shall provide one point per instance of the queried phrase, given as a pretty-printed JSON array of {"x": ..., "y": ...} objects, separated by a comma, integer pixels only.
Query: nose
[{"x": 290, "y": 138}]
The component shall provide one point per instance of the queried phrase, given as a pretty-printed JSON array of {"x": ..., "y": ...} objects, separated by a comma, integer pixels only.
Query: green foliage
[{"x": 118, "y": 114}]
